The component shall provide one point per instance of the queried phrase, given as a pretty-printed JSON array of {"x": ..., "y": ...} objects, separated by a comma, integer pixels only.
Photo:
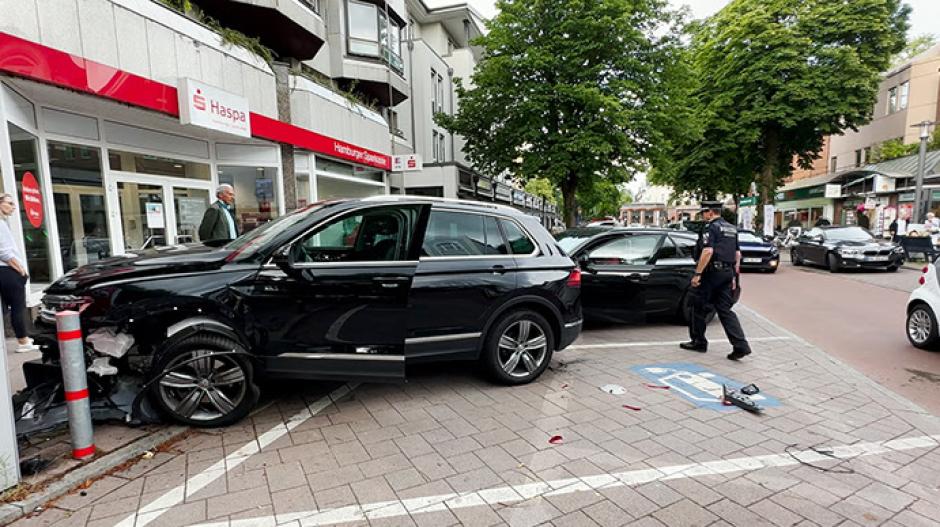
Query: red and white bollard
[{"x": 72, "y": 360}]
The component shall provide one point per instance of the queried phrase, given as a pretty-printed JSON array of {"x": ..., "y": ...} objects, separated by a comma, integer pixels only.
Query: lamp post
[{"x": 921, "y": 167}]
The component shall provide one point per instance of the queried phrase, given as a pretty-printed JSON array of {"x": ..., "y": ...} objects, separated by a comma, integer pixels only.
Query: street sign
[
  {"x": 696, "y": 384},
  {"x": 748, "y": 201}
]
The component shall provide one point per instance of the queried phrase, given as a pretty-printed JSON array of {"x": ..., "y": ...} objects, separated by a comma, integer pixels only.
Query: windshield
[
  {"x": 848, "y": 234},
  {"x": 568, "y": 241},
  {"x": 749, "y": 237},
  {"x": 247, "y": 245}
]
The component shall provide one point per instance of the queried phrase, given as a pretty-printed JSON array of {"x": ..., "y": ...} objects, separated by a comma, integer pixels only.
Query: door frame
[{"x": 166, "y": 183}]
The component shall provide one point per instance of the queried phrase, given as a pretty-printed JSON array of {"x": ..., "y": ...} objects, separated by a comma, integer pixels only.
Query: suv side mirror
[
  {"x": 818, "y": 238},
  {"x": 281, "y": 258}
]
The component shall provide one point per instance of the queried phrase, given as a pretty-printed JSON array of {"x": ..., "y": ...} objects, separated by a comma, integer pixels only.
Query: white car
[{"x": 922, "y": 308}]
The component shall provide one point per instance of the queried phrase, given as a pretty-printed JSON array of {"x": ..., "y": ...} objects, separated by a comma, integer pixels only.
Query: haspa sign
[
  {"x": 32, "y": 200},
  {"x": 209, "y": 107},
  {"x": 407, "y": 163}
]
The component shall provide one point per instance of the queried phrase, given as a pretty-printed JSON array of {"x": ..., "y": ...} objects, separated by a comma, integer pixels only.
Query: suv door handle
[
  {"x": 498, "y": 269},
  {"x": 390, "y": 282},
  {"x": 636, "y": 277}
]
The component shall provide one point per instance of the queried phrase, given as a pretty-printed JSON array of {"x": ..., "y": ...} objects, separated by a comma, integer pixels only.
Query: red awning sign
[{"x": 32, "y": 200}]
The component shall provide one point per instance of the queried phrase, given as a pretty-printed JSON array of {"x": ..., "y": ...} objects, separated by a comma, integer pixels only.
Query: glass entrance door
[
  {"x": 31, "y": 196},
  {"x": 158, "y": 212}
]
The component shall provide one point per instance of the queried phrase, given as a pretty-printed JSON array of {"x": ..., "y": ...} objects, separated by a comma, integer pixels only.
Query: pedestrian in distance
[
  {"x": 715, "y": 283},
  {"x": 13, "y": 277},
  {"x": 862, "y": 220},
  {"x": 218, "y": 222}
]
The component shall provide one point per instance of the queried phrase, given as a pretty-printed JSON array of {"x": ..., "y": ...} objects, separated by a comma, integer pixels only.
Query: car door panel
[
  {"x": 616, "y": 275},
  {"x": 335, "y": 304},
  {"x": 670, "y": 277},
  {"x": 465, "y": 272}
]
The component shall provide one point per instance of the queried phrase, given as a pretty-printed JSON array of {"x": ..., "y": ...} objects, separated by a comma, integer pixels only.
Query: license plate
[
  {"x": 752, "y": 260},
  {"x": 876, "y": 258}
]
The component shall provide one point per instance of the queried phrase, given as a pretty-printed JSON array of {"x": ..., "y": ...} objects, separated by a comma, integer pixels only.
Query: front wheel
[
  {"x": 518, "y": 348},
  {"x": 833, "y": 261},
  {"x": 205, "y": 381},
  {"x": 795, "y": 257},
  {"x": 922, "y": 327},
  {"x": 893, "y": 268}
]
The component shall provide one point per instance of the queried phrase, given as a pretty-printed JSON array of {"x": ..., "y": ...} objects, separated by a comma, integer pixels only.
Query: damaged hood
[{"x": 133, "y": 264}]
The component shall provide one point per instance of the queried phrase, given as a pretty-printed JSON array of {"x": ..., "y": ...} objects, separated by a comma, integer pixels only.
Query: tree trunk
[
  {"x": 768, "y": 178},
  {"x": 570, "y": 206}
]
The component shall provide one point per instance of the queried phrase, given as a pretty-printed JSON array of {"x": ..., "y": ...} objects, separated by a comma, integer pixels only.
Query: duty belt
[{"x": 722, "y": 266}]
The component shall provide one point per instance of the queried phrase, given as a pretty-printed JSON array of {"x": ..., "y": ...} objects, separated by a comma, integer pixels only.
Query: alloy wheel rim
[
  {"x": 522, "y": 348},
  {"x": 202, "y": 387},
  {"x": 919, "y": 326}
]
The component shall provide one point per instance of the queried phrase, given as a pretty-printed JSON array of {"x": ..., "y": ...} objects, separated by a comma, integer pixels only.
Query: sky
[{"x": 923, "y": 19}]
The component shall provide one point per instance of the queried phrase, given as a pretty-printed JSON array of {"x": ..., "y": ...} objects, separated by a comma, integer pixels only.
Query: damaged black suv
[{"x": 341, "y": 290}]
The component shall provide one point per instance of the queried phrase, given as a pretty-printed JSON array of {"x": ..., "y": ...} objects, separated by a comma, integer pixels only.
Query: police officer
[{"x": 714, "y": 283}]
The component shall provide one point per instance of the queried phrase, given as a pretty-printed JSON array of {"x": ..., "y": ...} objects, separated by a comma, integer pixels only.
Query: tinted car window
[
  {"x": 375, "y": 236},
  {"x": 569, "y": 241},
  {"x": 685, "y": 246},
  {"x": 668, "y": 250},
  {"x": 519, "y": 242},
  {"x": 462, "y": 234},
  {"x": 625, "y": 250}
]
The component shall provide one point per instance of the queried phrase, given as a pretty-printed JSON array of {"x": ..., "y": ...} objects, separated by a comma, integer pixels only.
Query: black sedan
[
  {"x": 756, "y": 253},
  {"x": 846, "y": 247},
  {"x": 630, "y": 274}
]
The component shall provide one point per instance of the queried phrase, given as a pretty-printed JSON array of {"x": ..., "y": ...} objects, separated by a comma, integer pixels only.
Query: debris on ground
[
  {"x": 740, "y": 399},
  {"x": 34, "y": 465},
  {"x": 555, "y": 440},
  {"x": 147, "y": 455},
  {"x": 634, "y": 408},
  {"x": 657, "y": 386},
  {"x": 614, "y": 389}
]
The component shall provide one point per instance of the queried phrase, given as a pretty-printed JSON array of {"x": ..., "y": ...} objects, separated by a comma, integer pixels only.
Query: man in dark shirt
[{"x": 714, "y": 284}]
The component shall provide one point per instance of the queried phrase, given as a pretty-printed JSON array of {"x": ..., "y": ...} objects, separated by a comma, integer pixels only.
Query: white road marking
[
  {"x": 518, "y": 493},
  {"x": 664, "y": 343},
  {"x": 175, "y": 496}
]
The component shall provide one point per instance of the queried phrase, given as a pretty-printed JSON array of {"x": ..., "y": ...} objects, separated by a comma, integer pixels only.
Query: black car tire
[
  {"x": 189, "y": 382},
  {"x": 921, "y": 326},
  {"x": 497, "y": 356},
  {"x": 833, "y": 261},
  {"x": 795, "y": 258},
  {"x": 893, "y": 268}
]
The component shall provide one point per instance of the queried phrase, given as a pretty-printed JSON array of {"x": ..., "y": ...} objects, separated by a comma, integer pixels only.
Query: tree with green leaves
[
  {"x": 914, "y": 47},
  {"x": 772, "y": 78},
  {"x": 602, "y": 200},
  {"x": 542, "y": 188},
  {"x": 575, "y": 91}
]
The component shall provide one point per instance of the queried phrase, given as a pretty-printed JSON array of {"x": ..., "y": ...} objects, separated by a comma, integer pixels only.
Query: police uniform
[{"x": 715, "y": 289}]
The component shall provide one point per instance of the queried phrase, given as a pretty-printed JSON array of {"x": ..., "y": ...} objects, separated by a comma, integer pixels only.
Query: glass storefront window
[
  {"x": 255, "y": 194},
  {"x": 303, "y": 190},
  {"x": 158, "y": 166},
  {"x": 78, "y": 192},
  {"x": 29, "y": 186},
  {"x": 142, "y": 215},
  {"x": 190, "y": 205}
]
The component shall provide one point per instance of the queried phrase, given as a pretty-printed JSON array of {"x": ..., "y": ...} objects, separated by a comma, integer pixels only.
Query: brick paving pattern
[{"x": 447, "y": 432}]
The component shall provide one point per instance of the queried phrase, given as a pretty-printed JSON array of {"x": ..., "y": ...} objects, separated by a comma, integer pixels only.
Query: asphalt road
[{"x": 858, "y": 317}]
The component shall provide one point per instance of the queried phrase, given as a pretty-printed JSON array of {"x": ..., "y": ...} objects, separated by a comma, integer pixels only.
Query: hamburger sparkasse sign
[{"x": 209, "y": 107}]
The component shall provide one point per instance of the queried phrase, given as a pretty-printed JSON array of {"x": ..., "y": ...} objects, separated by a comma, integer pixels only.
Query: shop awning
[{"x": 809, "y": 182}]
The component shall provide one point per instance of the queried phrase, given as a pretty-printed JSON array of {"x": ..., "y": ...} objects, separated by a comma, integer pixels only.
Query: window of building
[
  {"x": 373, "y": 34},
  {"x": 441, "y": 149},
  {"x": 255, "y": 197},
  {"x": 433, "y": 92},
  {"x": 78, "y": 192},
  {"x": 439, "y": 94},
  {"x": 904, "y": 95},
  {"x": 393, "y": 125},
  {"x": 156, "y": 165},
  {"x": 833, "y": 165},
  {"x": 314, "y": 5},
  {"x": 858, "y": 157},
  {"x": 867, "y": 154},
  {"x": 893, "y": 100},
  {"x": 29, "y": 175},
  {"x": 434, "y": 155}
]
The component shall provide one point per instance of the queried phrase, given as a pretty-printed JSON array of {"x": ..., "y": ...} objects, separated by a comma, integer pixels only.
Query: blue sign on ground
[{"x": 697, "y": 384}]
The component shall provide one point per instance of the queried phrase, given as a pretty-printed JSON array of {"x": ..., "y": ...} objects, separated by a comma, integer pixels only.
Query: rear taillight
[
  {"x": 574, "y": 278},
  {"x": 925, "y": 269},
  {"x": 922, "y": 280}
]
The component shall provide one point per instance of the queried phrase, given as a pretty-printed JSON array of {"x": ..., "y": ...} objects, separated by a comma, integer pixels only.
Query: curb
[{"x": 16, "y": 510}]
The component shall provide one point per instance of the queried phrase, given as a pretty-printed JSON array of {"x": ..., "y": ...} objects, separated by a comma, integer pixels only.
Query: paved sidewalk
[{"x": 448, "y": 448}]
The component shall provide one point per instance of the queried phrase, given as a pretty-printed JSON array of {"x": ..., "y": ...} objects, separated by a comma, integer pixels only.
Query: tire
[
  {"x": 893, "y": 268},
  {"x": 795, "y": 258},
  {"x": 921, "y": 327},
  {"x": 504, "y": 361},
  {"x": 833, "y": 262},
  {"x": 192, "y": 394}
]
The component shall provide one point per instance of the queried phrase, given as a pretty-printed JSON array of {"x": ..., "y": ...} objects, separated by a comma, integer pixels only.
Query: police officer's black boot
[
  {"x": 691, "y": 345},
  {"x": 738, "y": 354}
]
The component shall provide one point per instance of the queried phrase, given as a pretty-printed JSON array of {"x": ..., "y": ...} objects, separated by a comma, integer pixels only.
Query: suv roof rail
[{"x": 470, "y": 202}]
